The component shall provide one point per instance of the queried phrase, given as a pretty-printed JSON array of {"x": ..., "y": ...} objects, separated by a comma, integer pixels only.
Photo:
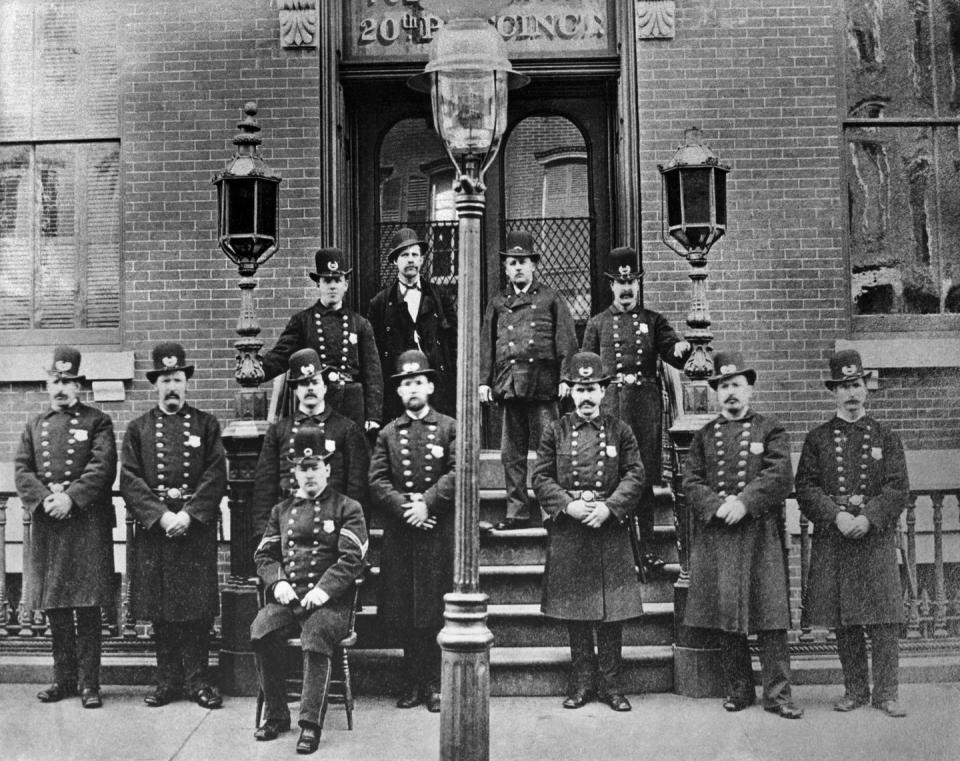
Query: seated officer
[{"x": 311, "y": 554}]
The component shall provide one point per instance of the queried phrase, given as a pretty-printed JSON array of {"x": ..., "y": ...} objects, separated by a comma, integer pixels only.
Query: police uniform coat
[
  {"x": 738, "y": 576},
  {"x": 344, "y": 341},
  {"x": 853, "y": 581},
  {"x": 436, "y": 328},
  {"x": 590, "y": 573},
  {"x": 416, "y": 566},
  {"x": 174, "y": 579},
  {"x": 628, "y": 344},
  {"x": 526, "y": 342},
  {"x": 274, "y": 478},
  {"x": 320, "y": 542},
  {"x": 71, "y": 560}
]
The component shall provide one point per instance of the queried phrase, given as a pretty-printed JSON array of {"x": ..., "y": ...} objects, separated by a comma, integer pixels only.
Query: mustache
[{"x": 171, "y": 395}]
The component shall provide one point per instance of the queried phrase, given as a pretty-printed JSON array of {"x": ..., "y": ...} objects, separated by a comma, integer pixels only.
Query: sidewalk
[{"x": 662, "y": 727}]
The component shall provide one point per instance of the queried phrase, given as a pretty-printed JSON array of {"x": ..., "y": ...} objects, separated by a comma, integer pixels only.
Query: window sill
[{"x": 905, "y": 351}]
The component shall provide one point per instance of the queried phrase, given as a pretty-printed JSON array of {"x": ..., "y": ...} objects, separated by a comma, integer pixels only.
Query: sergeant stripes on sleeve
[
  {"x": 355, "y": 539},
  {"x": 268, "y": 540}
]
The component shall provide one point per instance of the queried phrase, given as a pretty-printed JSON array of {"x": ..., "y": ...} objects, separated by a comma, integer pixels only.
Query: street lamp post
[
  {"x": 694, "y": 217},
  {"x": 247, "y": 232},
  {"x": 468, "y": 76}
]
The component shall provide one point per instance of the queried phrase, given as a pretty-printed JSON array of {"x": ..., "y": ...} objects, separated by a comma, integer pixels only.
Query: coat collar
[
  {"x": 300, "y": 416},
  {"x": 73, "y": 409},
  {"x": 430, "y": 417},
  {"x": 160, "y": 414},
  {"x": 323, "y": 311}
]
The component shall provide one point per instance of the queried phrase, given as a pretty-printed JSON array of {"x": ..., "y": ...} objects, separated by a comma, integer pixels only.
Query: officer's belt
[
  {"x": 172, "y": 495},
  {"x": 58, "y": 487},
  {"x": 630, "y": 378},
  {"x": 851, "y": 503},
  {"x": 587, "y": 495}
]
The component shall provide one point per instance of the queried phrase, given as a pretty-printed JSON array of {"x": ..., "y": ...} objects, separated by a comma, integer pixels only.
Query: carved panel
[
  {"x": 298, "y": 23},
  {"x": 656, "y": 19}
]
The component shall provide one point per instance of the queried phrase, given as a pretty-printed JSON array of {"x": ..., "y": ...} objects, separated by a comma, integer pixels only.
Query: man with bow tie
[
  {"x": 736, "y": 480},
  {"x": 64, "y": 469},
  {"x": 629, "y": 339},
  {"x": 173, "y": 476},
  {"x": 413, "y": 313},
  {"x": 852, "y": 484},
  {"x": 412, "y": 475},
  {"x": 342, "y": 338},
  {"x": 526, "y": 343},
  {"x": 588, "y": 477},
  {"x": 349, "y": 459}
]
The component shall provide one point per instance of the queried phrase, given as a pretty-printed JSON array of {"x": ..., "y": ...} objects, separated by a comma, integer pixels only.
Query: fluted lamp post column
[
  {"x": 693, "y": 218},
  {"x": 247, "y": 232},
  {"x": 468, "y": 77}
]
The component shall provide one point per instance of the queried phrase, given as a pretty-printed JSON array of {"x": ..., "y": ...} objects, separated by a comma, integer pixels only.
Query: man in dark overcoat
[
  {"x": 526, "y": 343},
  {"x": 350, "y": 457},
  {"x": 64, "y": 472},
  {"x": 736, "y": 479},
  {"x": 852, "y": 484},
  {"x": 173, "y": 477},
  {"x": 629, "y": 339},
  {"x": 309, "y": 559},
  {"x": 588, "y": 478},
  {"x": 413, "y": 313},
  {"x": 412, "y": 475},
  {"x": 342, "y": 338}
]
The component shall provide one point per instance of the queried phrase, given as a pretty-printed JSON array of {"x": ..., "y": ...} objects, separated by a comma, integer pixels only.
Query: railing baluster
[
  {"x": 5, "y": 611},
  {"x": 24, "y": 614},
  {"x": 913, "y": 617},
  {"x": 940, "y": 588},
  {"x": 806, "y": 632},
  {"x": 129, "y": 622}
]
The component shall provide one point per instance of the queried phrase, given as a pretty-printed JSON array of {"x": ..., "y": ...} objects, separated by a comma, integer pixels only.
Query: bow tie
[{"x": 406, "y": 287}]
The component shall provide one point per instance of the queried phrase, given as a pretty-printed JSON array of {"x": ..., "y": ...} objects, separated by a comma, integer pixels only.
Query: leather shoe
[
  {"x": 208, "y": 697},
  {"x": 56, "y": 692},
  {"x": 616, "y": 700},
  {"x": 512, "y": 524},
  {"x": 409, "y": 698},
  {"x": 578, "y": 698},
  {"x": 309, "y": 740},
  {"x": 653, "y": 564},
  {"x": 160, "y": 697},
  {"x": 433, "y": 702},
  {"x": 734, "y": 703},
  {"x": 891, "y": 708},
  {"x": 786, "y": 710},
  {"x": 271, "y": 728},
  {"x": 90, "y": 698},
  {"x": 849, "y": 703}
]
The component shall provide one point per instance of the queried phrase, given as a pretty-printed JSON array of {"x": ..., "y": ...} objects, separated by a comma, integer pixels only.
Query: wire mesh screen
[{"x": 564, "y": 245}]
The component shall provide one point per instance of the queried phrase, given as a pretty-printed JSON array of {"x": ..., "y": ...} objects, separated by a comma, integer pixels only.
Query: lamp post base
[
  {"x": 465, "y": 678},
  {"x": 238, "y": 667}
]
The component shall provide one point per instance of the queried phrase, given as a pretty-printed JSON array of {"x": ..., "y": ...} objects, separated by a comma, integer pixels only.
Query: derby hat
[
  {"x": 65, "y": 364},
  {"x": 520, "y": 243},
  {"x": 401, "y": 239},
  {"x": 727, "y": 364},
  {"x": 586, "y": 367},
  {"x": 328, "y": 263},
  {"x": 845, "y": 365},
  {"x": 623, "y": 265},
  {"x": 413, "y": 362},
  {"x": 168, "y": 357},
  {"x": 306, "y": 365},
  {"x": 309, "y": 443}
]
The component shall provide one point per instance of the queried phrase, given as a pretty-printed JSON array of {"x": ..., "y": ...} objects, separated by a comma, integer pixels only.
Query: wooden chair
[{"x": 341, "y": 687}]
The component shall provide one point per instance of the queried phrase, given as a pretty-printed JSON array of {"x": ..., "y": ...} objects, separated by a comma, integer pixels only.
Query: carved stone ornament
[
  {"x": 656, "y": 19},
  {"x": 298, "y": 23}
]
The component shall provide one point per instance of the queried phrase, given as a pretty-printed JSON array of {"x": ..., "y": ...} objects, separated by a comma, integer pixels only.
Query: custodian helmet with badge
[
  {"x": 586, "y": 367},
  {"x": 329, "y": 263},
  {"x": 168, "y": 357},
  {"x": 309, "y": 444},
  {"x": 727, "y": 364},
  {"x": 845, "y": 365},
  {"x": 66, "y": 365}
]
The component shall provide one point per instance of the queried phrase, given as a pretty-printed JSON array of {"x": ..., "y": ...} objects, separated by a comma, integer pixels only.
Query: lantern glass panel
[
  {"x": 267, "y": 209},
  {"x": 471, "y": 109},
  {"x": 241, "y": 195},
  {"x": 720, "y": 192},
  {"x": 696, "y": 195},
  {"x": 671, "y": 180}
]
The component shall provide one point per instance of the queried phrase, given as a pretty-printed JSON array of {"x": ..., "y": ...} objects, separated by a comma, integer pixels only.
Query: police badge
[{"x": 328, "y": 526}]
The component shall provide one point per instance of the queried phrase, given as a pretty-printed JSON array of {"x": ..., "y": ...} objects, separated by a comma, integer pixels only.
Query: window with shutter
[{"x": 60, "y": 248}]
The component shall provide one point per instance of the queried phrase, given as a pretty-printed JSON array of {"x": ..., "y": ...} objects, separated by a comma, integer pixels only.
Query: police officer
[
  {"x": 173, "y": 477},
  {"x": 412, "y": 482},
  {"x": 311, "y": 554},
  {"x": 852, "y": 485},
  {"x": 526, "y": 344},
  {"x": 412, "y": 313},
  {"x": 736, "y": 479},
  {"x": 350, "y": 458},
  {"x": 64, "y": 469},
  {"x": 629, "y": 339},
  {"x": 342, "y": 339},
  {"x": 588, "y": 477}
]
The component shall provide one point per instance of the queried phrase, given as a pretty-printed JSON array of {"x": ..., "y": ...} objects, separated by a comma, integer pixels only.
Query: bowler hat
[
  {"x": 845, "y": 365},
  {"x": 329, "y": 262},
  {"x": 66, "y": 364},
  {"x": 401, "y": 239},
  {"x": 305, "y": 365},
  {"x": 413, "y": 362},
  {"x": 168, "y": 357},
  {"x": 309, "y": 443},
  {"x": 586, "y": 367},
  {"x": 520, "y": 243},
  {"x": 727, "y": 364},
  {"x": 623, "y": 265}
]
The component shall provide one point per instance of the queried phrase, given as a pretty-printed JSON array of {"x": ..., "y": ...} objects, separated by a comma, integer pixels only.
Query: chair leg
[
  {"x": 347, "y": 688},
  {"x": 256, "y": 721}
]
